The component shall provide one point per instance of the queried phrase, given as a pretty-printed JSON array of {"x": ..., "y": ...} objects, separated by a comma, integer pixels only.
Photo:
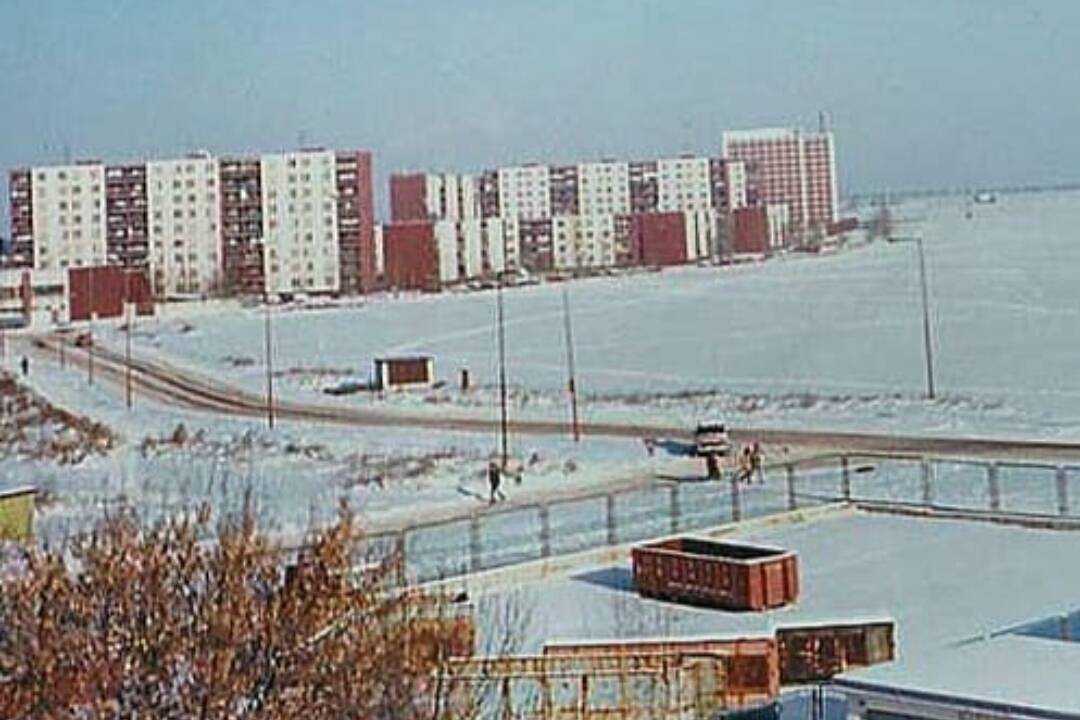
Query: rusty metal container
[
  {"x": 727, "y": 575},
  {"x": 750, "y": 665},
  {"x": 810, "y": 653}
]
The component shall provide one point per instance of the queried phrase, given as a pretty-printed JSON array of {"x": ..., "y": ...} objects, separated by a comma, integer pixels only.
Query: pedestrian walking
[
  {"x": 650, "y": 446},
  {"x": 494, "y": 481},
  {"x": 712, "y": 465},
  {"x": 745, "y": 465},
  {"x": 25, "y": 364},
  {"x": 756, "y": 458}
]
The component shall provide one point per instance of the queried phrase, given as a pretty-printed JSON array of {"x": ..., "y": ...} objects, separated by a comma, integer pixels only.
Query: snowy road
[{"x": 171, "y": 385}]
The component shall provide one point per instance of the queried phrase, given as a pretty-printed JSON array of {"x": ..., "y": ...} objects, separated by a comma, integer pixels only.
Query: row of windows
[{"x": 65, "y": 190}]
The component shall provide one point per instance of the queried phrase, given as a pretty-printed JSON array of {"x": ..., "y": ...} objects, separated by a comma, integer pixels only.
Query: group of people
[{"x": 748, "y": 464}]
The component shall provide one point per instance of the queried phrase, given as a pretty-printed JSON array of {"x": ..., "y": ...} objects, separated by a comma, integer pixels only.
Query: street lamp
[{"x": 927, "y": 345}]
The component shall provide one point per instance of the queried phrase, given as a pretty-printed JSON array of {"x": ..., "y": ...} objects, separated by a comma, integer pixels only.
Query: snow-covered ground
[
  {"x": 816, "y": 341},
  {"x": 931, "y": 577},
  {"x": 822, "y": 342}
]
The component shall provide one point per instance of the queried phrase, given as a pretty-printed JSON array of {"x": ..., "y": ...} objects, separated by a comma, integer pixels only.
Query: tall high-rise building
[
  {"x": 184, "y": 215},
  {"x": 790, "y": 167},
  {"x": 300, "y": 221}
]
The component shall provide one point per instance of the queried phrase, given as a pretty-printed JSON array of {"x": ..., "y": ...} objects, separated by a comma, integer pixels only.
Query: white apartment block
[
  {"x": 300, "y": 234},
  {"x": 451, "y": 197},
  {"x": 735, "y": 184},
  {"x": 184, "y": 211},
  {"x": 468, "y": 249},
  {"x": 701, "y": 234},
  {"x": 603, "y": 188},
  {"x": 525, "y": 192},
  {"x": 68, "y": 216},
  {"x": 683, "y": 184}
]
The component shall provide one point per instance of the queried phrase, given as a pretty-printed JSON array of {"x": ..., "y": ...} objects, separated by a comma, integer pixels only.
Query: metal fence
[{"x": 506, "y": 535}]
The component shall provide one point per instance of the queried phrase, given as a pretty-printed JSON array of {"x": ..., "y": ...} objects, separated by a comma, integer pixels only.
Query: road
[{"x": 171, "y": 385}]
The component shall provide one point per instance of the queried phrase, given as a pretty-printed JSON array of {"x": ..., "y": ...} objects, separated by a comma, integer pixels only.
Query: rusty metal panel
[
  {"x": 818, "y": 652},
  {"x": 751, "y": 665},
  {"x": 656, "y": 686}
]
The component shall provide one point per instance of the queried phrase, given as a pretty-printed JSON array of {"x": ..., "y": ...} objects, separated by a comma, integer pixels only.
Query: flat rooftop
[{"x": 947, "y": 583}]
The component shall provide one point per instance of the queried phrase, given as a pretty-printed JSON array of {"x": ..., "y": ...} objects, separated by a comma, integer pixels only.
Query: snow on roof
[
  {"x": 942, "y": 581},
  {"x": 1020, "y": 672}
]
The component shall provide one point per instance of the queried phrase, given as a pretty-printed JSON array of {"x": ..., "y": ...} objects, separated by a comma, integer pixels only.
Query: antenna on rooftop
[{"x": 823, "y": 121}]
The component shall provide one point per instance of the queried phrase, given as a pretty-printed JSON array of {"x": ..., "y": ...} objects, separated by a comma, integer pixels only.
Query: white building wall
[
  {"x": 511, "y": 241},
  {"x": 452, "y": 197},
  {"x": 446, "y": 244},
  {"x": 380, "y": 259},
  {"x": 596, "y": 244},
  {"x": 493, "y": 243},
  {"x": 69, "y": 216},
  {"x": 700, "y": 234},
  {"x": 565, "y": 240},
  {"x": 604, "y": 188},
  {"x": 735, "y": 183},
  {"x": 779, "y": 221},
  {"x": 525, "y": 192},
  {"x": 300, "y": 222},
  {"x": 470, "y": 246},
  {"x": 683, "y": 184},
  {"x": 183, "y": 212}
]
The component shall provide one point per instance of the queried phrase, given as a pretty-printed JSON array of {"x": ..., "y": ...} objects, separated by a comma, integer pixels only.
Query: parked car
[{"x": 711, "y": 438}]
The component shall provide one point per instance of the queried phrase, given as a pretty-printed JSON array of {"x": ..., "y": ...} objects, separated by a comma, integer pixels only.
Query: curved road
[{"x": 172, "y": 385}]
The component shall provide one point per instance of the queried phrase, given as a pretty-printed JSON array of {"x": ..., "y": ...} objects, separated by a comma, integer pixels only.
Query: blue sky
[{"x": 921, "y": 93}]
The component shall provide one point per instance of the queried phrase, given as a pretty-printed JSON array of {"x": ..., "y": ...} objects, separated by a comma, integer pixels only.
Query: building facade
[
  {"x": 551, "y": 218},
  {"x": 789, "y": 167},
  {"x": 184, "y": 214},
  {"x": 287, "y": 222}
]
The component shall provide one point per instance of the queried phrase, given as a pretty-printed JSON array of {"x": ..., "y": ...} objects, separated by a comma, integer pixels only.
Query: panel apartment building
[
  {"x": 789, "y": 167},
  {"x": 287, "y": 222},
  {"x": 545, "y": 218}
]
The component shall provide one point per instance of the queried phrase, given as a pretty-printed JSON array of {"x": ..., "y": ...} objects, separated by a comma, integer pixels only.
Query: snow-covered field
[
  {"x": 825, "y": 342},
  {"x": 821, "y": 342}
]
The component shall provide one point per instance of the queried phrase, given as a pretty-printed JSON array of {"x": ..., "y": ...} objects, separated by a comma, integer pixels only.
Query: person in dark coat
[
  {"x": 25, "y": 364},
  {"x": 494, "y": 481}
]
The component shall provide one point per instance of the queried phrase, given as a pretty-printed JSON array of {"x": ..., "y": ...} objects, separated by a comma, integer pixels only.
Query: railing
[{"x": 499, "y": 536}]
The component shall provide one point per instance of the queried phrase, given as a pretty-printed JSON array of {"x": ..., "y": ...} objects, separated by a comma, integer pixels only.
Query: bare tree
[{"x": 153, "y": 622}]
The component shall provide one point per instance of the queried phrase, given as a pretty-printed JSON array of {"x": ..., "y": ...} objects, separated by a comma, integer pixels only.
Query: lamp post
[
  {"x": 927, "y": 344},
  {"x": 90, "y": 345},
  {"x": 127, "y": 339}
]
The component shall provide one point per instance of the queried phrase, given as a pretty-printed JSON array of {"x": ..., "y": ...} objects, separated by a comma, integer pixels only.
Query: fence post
[
  {"x": 993, "y": 486},
  {"x": 545, "y": 531},
  {"x": 1062, "y": 478},
  {"x": 927, "y": 483},
  {"x": 736, "y": 504},
  {"x": 845, "y": 478},
  {"x": 474, "y": 543},
  {"x": 612, "y": 536},
  {"x": 792, "y": 501},
  {"x": 676, "y": 510},
  {"x": 402, "y": 555}
]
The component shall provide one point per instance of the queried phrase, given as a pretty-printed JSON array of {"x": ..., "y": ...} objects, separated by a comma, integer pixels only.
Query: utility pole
[
  {"x": 503, "y": 419},
  {"x": 90, "y": 345},
  {"x": 269, "y": 349},
  {"x": 927, "y": 344},
  {"x": 127, "y": 340},
  {"x": 575, "y": 426},
  {"x": 928, "y": 350}
]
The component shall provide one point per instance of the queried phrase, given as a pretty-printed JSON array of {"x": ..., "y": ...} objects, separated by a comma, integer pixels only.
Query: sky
[{"x": 921, "y": 93}]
